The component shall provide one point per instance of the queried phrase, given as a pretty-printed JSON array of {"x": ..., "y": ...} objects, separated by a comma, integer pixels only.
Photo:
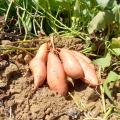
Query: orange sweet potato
[
  {"x": 56, "y": 77},
  {"x": 42, "y": 52},
  {"x": 86, "y": 59},
  {"x": 38, "y": 66},
  {"x": 89, "y": 72},
  {"x": 71, "y": 65}
]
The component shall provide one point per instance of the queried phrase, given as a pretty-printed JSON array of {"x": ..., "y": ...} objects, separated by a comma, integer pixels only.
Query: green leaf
[
  {"x": 116, "y": 51},
  {"x": 112, "y": 77},
  {"x": 106, "y": 3},
  {"x": 116, "y": 12},
  {"x": 115, "y": 46},
  {"x": 103, "y": 62},
  {"x": 115, "y": 43},
  {"x": 101, "y": 20}
]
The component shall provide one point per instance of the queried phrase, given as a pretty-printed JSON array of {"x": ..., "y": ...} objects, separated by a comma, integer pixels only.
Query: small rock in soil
[
  {"x": 118, "y": 97},
  {"x": 49, "y": 117},
  {"x": 34, "y": 108},
  {"x": 65, "y": 117},
  {"x": 3, "y": 83},
  {"x": 27, "y": 58},
  {"x": 20, "y": 58},
  {"x": 73, "y": 113},
  {"x": 6, "y": 42},
  {"x": 48, "y": 111},
  {"x": 1, "y": 103}
]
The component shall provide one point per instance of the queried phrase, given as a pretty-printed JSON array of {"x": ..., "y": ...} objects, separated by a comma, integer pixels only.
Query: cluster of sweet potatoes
[{"x": 56, "y": 64}]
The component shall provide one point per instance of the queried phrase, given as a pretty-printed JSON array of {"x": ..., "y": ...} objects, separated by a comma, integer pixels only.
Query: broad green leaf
[
  {"x": 116, "y": 11},
  {"x": 115, "y": 46},
  {"x": 116, "y": 51},
  {"x": 112, "y": 77},
  {"x": 101, "y": 20},
  {"x": 115, "y": 43},
  {"x": 103, "y": 62},
  {"x": 106, "y": 3}
]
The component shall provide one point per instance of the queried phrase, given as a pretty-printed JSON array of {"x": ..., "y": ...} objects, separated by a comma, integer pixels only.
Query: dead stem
[
  {"x": 10, "y": 112},
  {"x": 52, "y": 42},
  {"x": 27, "y": 41},
  {"x": 107, "y": 113},
  {"x": 74, "y": 100},
  {"x": 102, "y": 92},
  {"x": 10, "y": 47}
]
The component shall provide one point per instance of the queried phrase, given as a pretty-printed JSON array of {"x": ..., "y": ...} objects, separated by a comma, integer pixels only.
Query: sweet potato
[
  {"x": 38, "y": 66},
  {"x": 42, "y": 52},
  {"x": 85, "y": 59},
  {"x": 71, "y": 65},
  {"x": 90, "y": 74},
  {"x": 56, "y": 77}
]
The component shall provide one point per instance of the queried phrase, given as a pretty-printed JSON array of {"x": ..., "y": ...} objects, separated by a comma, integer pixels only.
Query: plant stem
[
  {"x": 22, "y": 23},
  {"x": 9, "y": 47},
  {"x": 63, "y": 26},
  {"x": 102, "y": 92},
  {"x": 52, "y": 42},
  {"x": 74, "y": 100},
  {"x": 103, "y": 98},
  {"x": 11, "y": 1},
  {"x": 107, "y": 113}
]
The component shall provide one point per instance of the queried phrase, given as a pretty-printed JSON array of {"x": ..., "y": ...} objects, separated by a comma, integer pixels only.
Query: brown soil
[{"x": 18, "y": 101}]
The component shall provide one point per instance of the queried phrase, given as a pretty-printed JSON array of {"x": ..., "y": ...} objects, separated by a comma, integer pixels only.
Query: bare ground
[{"x": 18, "y": 101}]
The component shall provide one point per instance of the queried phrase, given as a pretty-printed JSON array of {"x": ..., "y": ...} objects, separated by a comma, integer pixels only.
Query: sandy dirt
[{"x": 18, "y": 101}]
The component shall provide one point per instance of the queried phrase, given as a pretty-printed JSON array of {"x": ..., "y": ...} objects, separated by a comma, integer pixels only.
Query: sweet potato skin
[
  {"x": 71, "y": 65},
  {"x": 42, "y": 52},
  {"x": 56, "y": 77},
  {"x": 90, "y": 74},
  {"x": 38, "y": 66},
  {"x": 86, "y": 59}
]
